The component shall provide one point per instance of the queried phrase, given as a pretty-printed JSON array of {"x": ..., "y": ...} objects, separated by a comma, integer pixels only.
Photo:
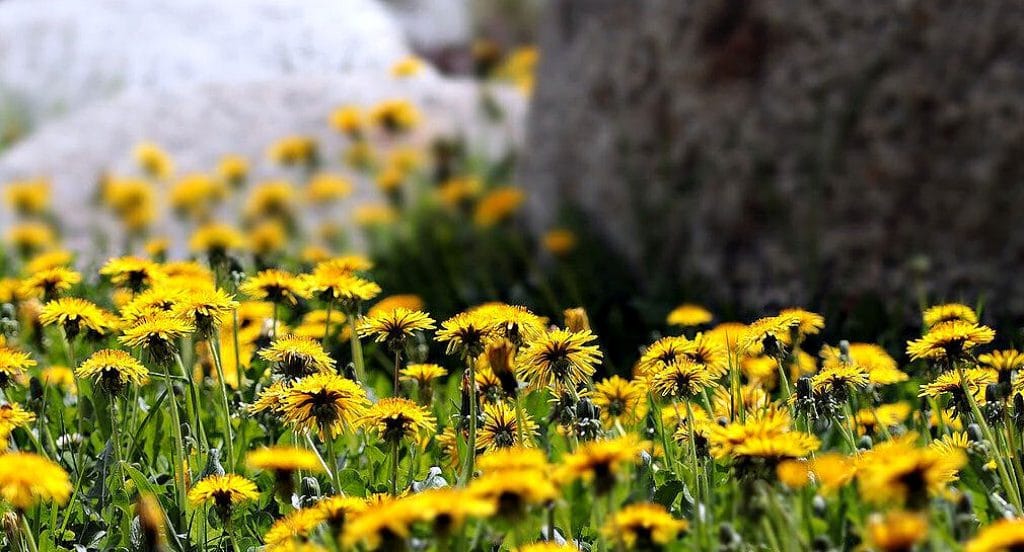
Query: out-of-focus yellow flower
[
  {"x": 30, "y": 238},
  {"x": 406, "y": 159},
  {"x": 273, "y": 199},
  {"x": 389, "y": 180},
  {"x": 408, "y": 66},
  {"x": 689, "y": 315},
  {"x": 498, "y": 205},
  {"x": 194, "y": 195},
  {"x": 325, "y": 188},
  {"x": 268, "y": 237},
  {"x": 520, "y": 67},
  {"x": 132, "y": 200},
  {"x": 295, "y": 150},
  {"x": 374, "y": 214},
  {"x": 27, "y": 479},
  {"x": 395, "y": 116},
  {"x": 216, "y": 239},
  {"x": 28, "y": 197},
  {"x": 233, "y": 169},
  {"x": 559, "y": 242},
  {"x": 153, "y": 160},
  {"x": 157, "y": 248},
  {"x": 457, "y": 192},
  {"x": 360, "y": 155},
  {"x": 47, "y": 260},
  {"x": 392, "y": 302},
  {"x": 349, "y": 120}
]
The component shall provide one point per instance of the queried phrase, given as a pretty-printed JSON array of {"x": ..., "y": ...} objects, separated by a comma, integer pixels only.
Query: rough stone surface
[
  {"x": 56, "y": 55},
  {"x": 199, "y": 125},
  {"x": 782, "y": 150}
]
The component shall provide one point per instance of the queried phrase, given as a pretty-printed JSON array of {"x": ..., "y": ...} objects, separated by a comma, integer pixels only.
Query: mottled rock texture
[{"x": 785, "y": 150}]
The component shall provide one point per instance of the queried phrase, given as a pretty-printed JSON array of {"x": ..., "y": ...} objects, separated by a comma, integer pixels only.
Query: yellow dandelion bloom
[
  {"x": 559, "y": 241},
  {"x": 13, "y": 364},
  {"x": 28, "y": 197},
  {"x": 503, "y": 428},
  {"x": 215, "y": 239},
  {"x": 276, "y": 286},
  {"x": 75, "y": 316},
  {"x": 497, "y": 206},
  {"x": 325, "y": 403},
  {"x": 283, "y": 459},
  {"x": 559, "y": 358},
  {"x": 395, "y": 419},
  {"x": 27, "y": 479},
  {"x": 50, "y": 283},
  {"x": 896, "y": 531},
  {"x": 348, "y": 120},
  {"x": 394, "y": 327},
  {"x": 688, "y": 314},
  {"x": 620, "y": 400},
  {"x": 641, "y": 526},
  {"x": 153, "y": 160},
  {"x": 112, "y": 370},
  {"x": 395, "y": 116},
  {"x": 223, "y": 491},
  {"x": 600, "y": 462},
  {"x": 134, "y": 273},
  {"x": 296, "y": 357},
  {"x": 949, "y": 312},
  {"x": 949, "y": 340}
]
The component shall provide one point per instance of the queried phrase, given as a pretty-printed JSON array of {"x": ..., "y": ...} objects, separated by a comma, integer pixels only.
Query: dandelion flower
[
  {"x": 325, "y": 403},
  {"x": 1005, "y": 535},
  {"x": 949, "y": 340},
  {"x": 276, "y": 286},
  {"x": 600, "y": 462},
  {"x": 12, "y": 416},
  {"x": 559, "y": 358},
  {"x": 134, "y": 273},
  {"x": 395, "y": 419},
  {"x": 112, "y": 370},
  {"x": 466, "y": 334},
  {"x": 50, "y": 283},
  {"x": 13, "y": 363},
  {"x": 512, "y": 492},
  {"x": 643, "y": 526},
  {"x": 681, "y": 379},
  {"x": 223, "y": 492},
  {"x": 205, "y": 309},
  {"x": 688, "y": 315},
  {"x": 948, "y": 312},
  {"x": 27, "y": 479},
  {"x": 394, "y": 327},
  {"x": 899, "y": 471},
  {"x": 158, "y": 334},
  {"x": 501, "y": 428},
  {"x": 75, "y": 315},
  {"x": 296, "y": 357}
]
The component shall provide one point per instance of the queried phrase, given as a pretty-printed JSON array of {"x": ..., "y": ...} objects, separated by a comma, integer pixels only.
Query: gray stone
[{"x": 789, "y": 151}]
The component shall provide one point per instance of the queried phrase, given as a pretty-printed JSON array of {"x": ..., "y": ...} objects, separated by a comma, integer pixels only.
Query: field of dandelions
[{"x": 266, "y": 387}]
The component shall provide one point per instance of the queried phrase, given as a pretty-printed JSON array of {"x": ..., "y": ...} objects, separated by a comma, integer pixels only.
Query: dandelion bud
[
  {"x": 11, "y": 527},
  {"x": 576, "y": 320},
  {"x": 1018, "y": 410},
  {"x": 311, "y": 487},
  {"x": 820, "y": 506},
  {"x": 728, "y": 537},
  {"x": 974, "y": 433},
  {"x": 844, "y": 351}
]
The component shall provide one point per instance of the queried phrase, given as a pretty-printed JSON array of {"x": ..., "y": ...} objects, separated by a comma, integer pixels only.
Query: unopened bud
[{"x": 576, "y": 320}]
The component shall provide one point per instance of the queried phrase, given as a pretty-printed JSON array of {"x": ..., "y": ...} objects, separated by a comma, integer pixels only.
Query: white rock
[
  {"x": 433, "y": 24},
  {"x": 56, "y": 55},
  {"x": 199, "y": 125}
]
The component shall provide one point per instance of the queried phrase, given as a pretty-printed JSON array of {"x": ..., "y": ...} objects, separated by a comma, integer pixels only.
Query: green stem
[
  {"x": 471, "y": 446},
  {"x": 30, "y": 540},
  {"x": 229, "y": 441},
  {"x": 1012, "y": 492},
  {"x": 357, "y": 350},
  {"x": 398, "y": 363},
  {"x": 394, "y": 467},
  {"x": 327, "y": 323},
  {"x": 179, "y": 451}
]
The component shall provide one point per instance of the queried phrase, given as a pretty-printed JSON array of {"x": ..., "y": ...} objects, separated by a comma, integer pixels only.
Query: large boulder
[
  {"x": 199, "y": 125},
  {"x": 56, "y": 55},
  {"x": 790, "y": 151}
]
